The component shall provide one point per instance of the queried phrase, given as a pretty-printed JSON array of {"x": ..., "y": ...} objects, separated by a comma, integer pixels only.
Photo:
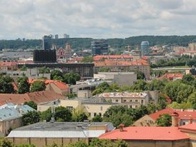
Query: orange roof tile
[
  {"x": 37, "y": 97},
  {"x": 183, "y": 114},
  {"x": 146, "y": 133},
  {"x": 191, "y": 127}
]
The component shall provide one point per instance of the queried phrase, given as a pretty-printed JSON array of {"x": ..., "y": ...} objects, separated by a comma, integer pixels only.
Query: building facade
[{"x": 99, "y": 47}]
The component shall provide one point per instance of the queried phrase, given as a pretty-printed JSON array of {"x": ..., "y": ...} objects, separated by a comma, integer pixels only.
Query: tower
[
  {"x": 144, "y": 48},
  {"x": 47, "y": 42},
  {"x": 99, "y": 47}
]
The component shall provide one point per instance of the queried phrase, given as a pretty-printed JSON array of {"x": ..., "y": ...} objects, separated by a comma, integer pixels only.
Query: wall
[
  {"x": 6, "y": 125},
  {"x": 142, "y": 143},
  {"x": 43, "y": 142},
  {"x": 96, "y": 109}
]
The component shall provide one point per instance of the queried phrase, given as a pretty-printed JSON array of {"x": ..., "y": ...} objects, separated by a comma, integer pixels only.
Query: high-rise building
[
  {"x": 66, "y": 36},
  {"x": 46, "y": 55},
  {"x": 145, "y": 48},
  {"x": 99, "y": 47},
  {"x": 56, "y": 36},
  {"x": 47, "y": 42}
]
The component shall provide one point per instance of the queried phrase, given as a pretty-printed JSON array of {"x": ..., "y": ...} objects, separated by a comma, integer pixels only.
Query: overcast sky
[{"x": 31, "y": 19}]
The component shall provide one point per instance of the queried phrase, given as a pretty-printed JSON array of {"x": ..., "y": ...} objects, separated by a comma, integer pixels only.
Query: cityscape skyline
[{"x": 32, "y": 19}]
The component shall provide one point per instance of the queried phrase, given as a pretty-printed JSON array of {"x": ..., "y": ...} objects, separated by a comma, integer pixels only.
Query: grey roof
[
  {"x": 62, "y": 129},
  {"x": 10, "y": 111}
]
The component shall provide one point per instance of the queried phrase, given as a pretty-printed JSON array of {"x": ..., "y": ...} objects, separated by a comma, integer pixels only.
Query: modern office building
[
  {"x": 145, "y": 48},
  {"x": 99, "y": 47},
  {"x": 47, "y": 42},
  {"x": 46, "y": 55}
]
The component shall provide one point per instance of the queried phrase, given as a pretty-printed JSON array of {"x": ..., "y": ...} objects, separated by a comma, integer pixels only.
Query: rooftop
[
  {"x": 146, "y": 133},
  {"x": 63, "y": 129},
  {"x": 124, "y": 94}
]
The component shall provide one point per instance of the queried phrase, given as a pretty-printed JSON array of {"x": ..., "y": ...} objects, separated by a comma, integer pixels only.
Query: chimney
[
  {"x": 190, "y": 120},
  {"x": 174, "y": 119},
  {"x": 121, "y": 127}
]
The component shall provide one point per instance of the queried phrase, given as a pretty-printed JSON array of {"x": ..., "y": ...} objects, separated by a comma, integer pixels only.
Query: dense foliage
[
  {"x": 69, "y": 78},
  {"x": 81, "y": 43}
]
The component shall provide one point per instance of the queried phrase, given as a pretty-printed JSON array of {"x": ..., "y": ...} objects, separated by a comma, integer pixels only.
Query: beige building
[
  {"x": 92, "y": 108},
  {"x": 132, "y": 100},
  {"x": 121, "y": 78},
  {"x": 46, "y": 133}
]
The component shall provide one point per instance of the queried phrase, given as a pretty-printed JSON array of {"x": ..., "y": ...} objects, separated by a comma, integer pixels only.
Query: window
[
  {"x": 136, "y": 100},
  {"x": 101, "y": 108},
  {"x": 130, "y": 100},
  {"x": 95, "y": 114},
  {"x": 124, "y": 100},
  {"x": 116, "y": 100}
]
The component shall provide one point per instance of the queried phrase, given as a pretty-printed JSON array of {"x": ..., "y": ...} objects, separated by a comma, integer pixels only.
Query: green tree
[
  {"x": 188, "y": 79},
  {"x": 118, "y": 115},
  {"x": 164, "y": 120},
  {"x": 38, "y": 86},
  {"x": 46, "y": 115},
  {"x": 107, "y": 143},
  {"x": 30, "y": 118},
  {"x": 62, "y": 114},
  {"x": 5, "y": 143},
  {"x": 79, "y": 115},
  {"x": 140, "y": 75},
  {"x": 23, "y": 85},
  {"x": 23, "y": 68},
  {"x": 56, "y": 75},
  {"x": 44, "y": 69},
  {"x": 32, "y": 104},
  {"x": 101, "y": 88},
  {"x": 78, "y": 144},
  {"x": 140, "y": 85},
  {"x": 87, "y": 59},
  {"x": 6, "y": 85},
  {"x": 97, "y": 118},
  {"x": 192, "y": 100},
  {"x": 71, "y": 78}
]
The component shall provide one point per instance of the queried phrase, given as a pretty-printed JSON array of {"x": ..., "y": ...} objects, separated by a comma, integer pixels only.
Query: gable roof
[
  {"x": 146, "y": 133},
  {"x": 171, "y": 76},
  {"x": 59, "y": 84},
  {"x": 191, "y": 127},
  {"x": 37, "y": 97},
  {"x": 183, "y": 114}
]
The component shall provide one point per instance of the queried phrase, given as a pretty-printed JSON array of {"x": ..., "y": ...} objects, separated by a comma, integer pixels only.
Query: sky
[{"x": 32, "y": 19}]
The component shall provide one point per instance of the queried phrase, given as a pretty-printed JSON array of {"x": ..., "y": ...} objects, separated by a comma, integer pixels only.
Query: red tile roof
[
  {"x": 171, "y": 76},
  {"x": 37, "y": 97},
  {"x": 59, "y": 84},
  {"x": 183, "y": 114},
  {"x": 191, "y": 127},
  {"x": 146, "y": 133},
  {"x": 109, "y": 62},
  {"x": 101, "y": 57}
]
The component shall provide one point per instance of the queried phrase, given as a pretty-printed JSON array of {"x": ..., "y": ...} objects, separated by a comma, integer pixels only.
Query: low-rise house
[
  {"x": 54, "y": 85},
  {"x": 61, "y": 133},
  {"x": 11, "y": 117},
  {"x": 184, "y": 117},
  {"x": 37, "y": 97},
  {"x": 150, "y": 136}
]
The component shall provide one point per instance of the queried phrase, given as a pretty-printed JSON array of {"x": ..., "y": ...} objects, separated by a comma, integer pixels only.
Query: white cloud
[{"x": 96, "y": 19}]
